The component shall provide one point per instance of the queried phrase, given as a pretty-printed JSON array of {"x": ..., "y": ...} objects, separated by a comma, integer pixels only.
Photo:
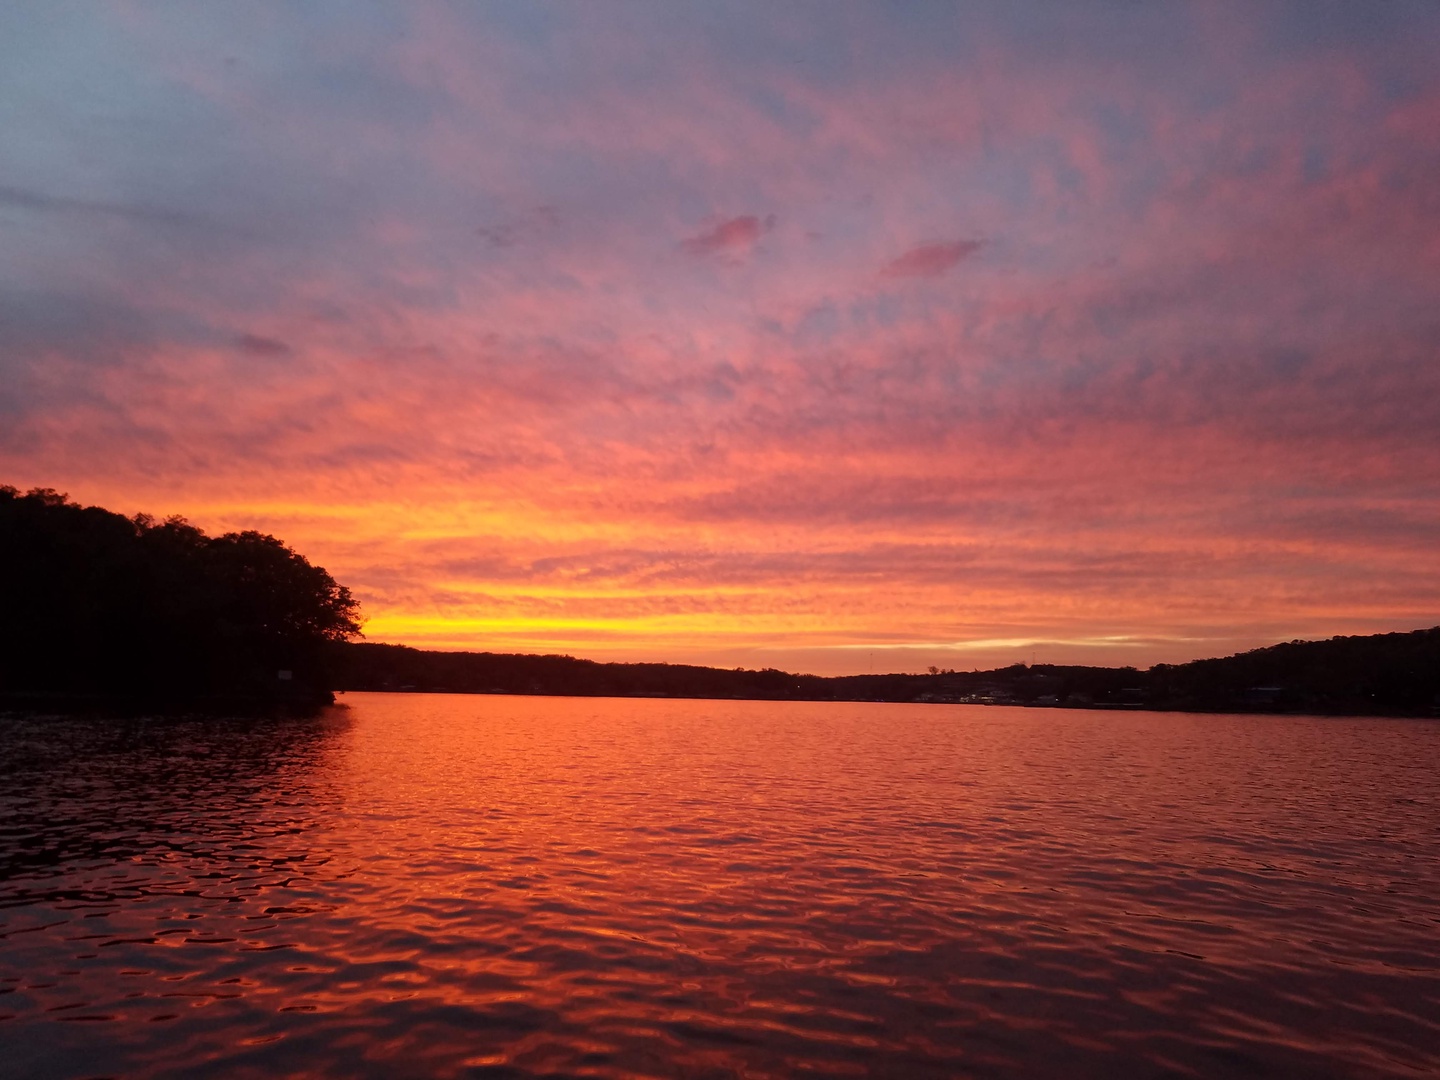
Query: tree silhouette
[{"x": 98, "y": 603}]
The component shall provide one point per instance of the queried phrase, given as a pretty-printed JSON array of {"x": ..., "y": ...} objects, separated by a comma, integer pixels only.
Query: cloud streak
[
  {"x": 731, "y": 235},
  {"x": 930, "y": 260}
]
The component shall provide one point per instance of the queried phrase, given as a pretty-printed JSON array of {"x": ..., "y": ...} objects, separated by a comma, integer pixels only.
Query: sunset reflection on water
[{"x": 452, "y": 886}]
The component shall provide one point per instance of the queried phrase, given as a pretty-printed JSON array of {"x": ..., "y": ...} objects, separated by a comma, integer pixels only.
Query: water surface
[{"x": 427, "y": 885}]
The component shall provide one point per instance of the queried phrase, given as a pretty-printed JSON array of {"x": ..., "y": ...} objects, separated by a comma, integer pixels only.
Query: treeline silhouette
[
  {"x": 1383, "y": 674},
  {"x": 99, "y": 605},
  {"x": 369, "y": 666}
]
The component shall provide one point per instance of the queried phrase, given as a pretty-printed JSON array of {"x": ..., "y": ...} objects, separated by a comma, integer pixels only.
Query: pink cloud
[
  {"x": 931, "y": 260},
  {"x": 734, "y": 234}
]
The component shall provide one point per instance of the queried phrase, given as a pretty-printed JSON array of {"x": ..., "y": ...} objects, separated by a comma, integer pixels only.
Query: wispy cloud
[
  {"x": 930, "y": 260},
  {"x": 262, "y": 346},
  {"x": 733, "y": 234},
  {"x": 41, "y": 202}
]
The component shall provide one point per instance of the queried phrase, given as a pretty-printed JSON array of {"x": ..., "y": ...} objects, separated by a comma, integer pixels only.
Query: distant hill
[{"x": 1383, "y": 674}]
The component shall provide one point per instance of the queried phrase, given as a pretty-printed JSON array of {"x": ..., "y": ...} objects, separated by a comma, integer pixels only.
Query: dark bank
[
  {"x": 123, "y": 613},
  {"x": 1376, "y": 675},
  {"x": 109, "y": 612}
]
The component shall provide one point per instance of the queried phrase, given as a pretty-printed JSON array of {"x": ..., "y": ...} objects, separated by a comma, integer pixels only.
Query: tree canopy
[{"x": 99, "y": 603}]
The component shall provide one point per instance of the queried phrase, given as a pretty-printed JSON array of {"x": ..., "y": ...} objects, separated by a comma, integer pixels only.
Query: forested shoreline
[
  {"x": 1382, "y": 674},
  {"x": 121, "y": 611},
  {"x": 110, "y": 611}
]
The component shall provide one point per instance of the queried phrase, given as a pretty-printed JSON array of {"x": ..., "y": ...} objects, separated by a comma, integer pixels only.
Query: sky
[{"x": 822, "y": 336}]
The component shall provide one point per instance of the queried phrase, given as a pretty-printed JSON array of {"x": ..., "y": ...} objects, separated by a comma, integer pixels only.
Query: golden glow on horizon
[{"x": 594, "y": 588}]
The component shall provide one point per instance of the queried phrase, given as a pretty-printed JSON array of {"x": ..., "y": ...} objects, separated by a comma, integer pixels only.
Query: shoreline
[
  {"x": 123, "y": 707},
  {"x": 1433, "y": 714},
  {"x": 137, "y": 706}
]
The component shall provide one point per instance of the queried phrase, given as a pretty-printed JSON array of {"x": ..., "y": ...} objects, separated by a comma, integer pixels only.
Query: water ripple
[{"x": 510, "y": 887}]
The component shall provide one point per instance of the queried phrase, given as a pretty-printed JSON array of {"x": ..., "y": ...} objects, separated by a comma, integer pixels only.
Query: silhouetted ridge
[
  {"x": 98, "y": 604},
  {"x": 369, "y": 666},
  {"x": 1391, "y": 674}
]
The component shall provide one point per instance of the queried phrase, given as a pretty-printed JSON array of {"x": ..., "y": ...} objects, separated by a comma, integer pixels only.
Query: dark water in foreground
[{"x": 515, "y": 887}]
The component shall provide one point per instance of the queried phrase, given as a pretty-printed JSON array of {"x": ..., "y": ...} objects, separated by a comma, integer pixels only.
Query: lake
[{"x": 433, "y": 885}]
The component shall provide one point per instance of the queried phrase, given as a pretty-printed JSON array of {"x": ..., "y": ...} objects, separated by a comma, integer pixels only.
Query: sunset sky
[{"x": 819, "y": 336}]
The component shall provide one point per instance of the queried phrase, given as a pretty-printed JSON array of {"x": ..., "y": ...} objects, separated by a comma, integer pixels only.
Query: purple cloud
[{"x": 262, "y": 346}]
